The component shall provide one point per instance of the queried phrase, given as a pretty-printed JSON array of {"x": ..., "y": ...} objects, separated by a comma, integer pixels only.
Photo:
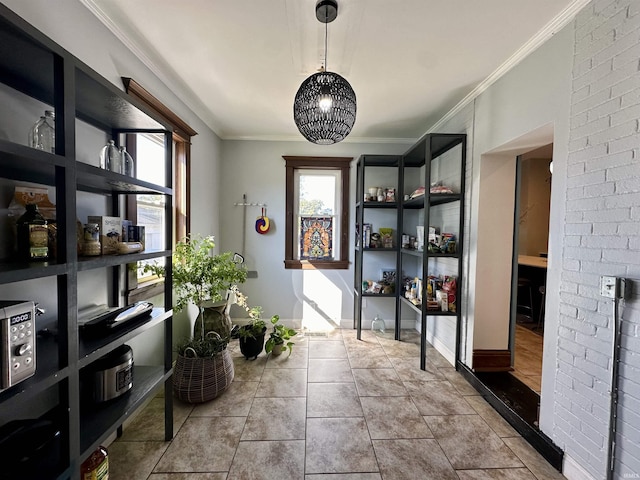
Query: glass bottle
[
  {"x": 43, "y": 134},
  {"x": 110, "y": 157},
  {"x": 128, "y": 166},
  {"x": 33, "y": 235},
  {"x": 96, "y": 467},
  {"x": 378, "y": 324}
]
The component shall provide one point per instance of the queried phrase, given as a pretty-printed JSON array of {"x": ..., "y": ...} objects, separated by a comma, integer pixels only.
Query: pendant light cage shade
[{"x": 324, "y": 108}]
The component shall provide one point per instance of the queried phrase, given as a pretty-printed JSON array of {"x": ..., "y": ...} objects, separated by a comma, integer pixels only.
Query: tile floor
[{"x": 337, "y": 409}]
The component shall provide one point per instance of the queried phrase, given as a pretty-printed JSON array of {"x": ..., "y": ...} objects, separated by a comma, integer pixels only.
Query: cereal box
[{"x": 110, "y": 233}]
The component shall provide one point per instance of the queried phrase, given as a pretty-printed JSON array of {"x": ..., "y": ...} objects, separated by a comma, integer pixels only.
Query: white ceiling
[{"x": 238, "y": 63}]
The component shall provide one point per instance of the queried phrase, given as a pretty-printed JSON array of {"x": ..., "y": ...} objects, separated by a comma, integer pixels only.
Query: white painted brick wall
[{"x": 602, "y": 237}]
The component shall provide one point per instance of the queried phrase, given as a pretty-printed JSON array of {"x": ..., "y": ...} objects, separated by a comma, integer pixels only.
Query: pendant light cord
[{"x": 326, "y": 27}]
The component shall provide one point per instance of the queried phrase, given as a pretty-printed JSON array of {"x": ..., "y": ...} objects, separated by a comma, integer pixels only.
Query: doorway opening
[
  {"x": 520, "y": 388},
  {"x": 530, "y": 245}
]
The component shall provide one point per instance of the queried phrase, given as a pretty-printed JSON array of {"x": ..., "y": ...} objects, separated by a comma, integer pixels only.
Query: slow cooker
[{"x": 112, "y": 374}]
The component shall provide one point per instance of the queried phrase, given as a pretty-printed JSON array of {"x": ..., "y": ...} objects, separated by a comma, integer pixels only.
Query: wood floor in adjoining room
[
  {"x": 338, "y": 408},
  {"x": 528, "y": 358}
]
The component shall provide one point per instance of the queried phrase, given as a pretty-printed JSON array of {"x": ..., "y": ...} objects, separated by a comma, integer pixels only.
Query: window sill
[
  {"x": 316, "y": 265},
  {"x": 146, "y": 290}
]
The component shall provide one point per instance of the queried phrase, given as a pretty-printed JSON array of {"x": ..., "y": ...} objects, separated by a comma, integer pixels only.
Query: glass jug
[
  {"x": 377, "y": 324},
  {"x": 43, "y": 134}
]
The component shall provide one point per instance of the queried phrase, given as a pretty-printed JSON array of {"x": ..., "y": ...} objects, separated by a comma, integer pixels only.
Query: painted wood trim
[
  {"x": 492, "y": 361},
  {"x": 133, "y": 88}
]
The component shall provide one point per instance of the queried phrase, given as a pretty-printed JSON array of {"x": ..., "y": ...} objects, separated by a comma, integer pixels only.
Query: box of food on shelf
[{"x": 110, "y": 232}]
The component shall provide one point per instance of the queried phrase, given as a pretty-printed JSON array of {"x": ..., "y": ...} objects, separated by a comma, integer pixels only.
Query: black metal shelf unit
[
  {"x": 421, "y": 156},
  {"x": 389, "y": 166},
  {"x": 37, "y": 72}
]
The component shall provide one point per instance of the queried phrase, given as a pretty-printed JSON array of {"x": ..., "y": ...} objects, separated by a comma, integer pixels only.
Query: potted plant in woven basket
[{"x": 204, "y": 367}]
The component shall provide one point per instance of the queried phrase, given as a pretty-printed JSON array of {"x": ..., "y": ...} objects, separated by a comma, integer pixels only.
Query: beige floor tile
[
  {"x": 235, "y": 401},
  {"x": 329, "y": 370},
  {"x": 249, "y": 370},
  {"x": 438, "y": 398},
  {"x": 327, "y": 334},
  {"x": 370, "y": 358},
  {"x": 493, "y": 418},
  {"x": 148, "y": 425},
  {"x": 412, "y": 460},
  {"x": 276, "y": 419},
  {"x": 283, "y": 382},
  {"x": 496, "y": 474},
  {"x": 327, "y": 349},
  {"x": 532, "y": 459},
  {"x": 393, "y": 417},
  {"x": 129, "y": 460},
  {"x": 458, "y": 381},
  {"x": 362, "y": 346},
  {"x": 408, "y": 369},
  {"x": 268, "y": 461},
  {"x": 344, "y": 476},
  {"x": 299, "y": 358},
  {"x": 188, "y": 476},
  {"x": 365, "y": 336},
  {"x": 321, "y": 395},
  {"x": 378, "y": 382},
  {"x": 435, "y": 358},
  {"x": 333, "y": 400},
  {"x": 339, "y": 445},
  {"x": 203, "y": 444},
  {"x": 394, "y": 348},
  {"x": 469, "y": 443}
]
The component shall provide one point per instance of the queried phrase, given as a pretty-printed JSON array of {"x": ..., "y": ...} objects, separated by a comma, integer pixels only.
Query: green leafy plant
[
  {"x": 199, "y": 275},
  {"x": 280, "y": 335}
]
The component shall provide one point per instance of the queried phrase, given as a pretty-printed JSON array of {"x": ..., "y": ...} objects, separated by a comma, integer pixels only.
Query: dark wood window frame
[
  {"x": 182, "y": 134},
  {"x": 292, "y": 164},
  {"x": 181, "y": 137}
]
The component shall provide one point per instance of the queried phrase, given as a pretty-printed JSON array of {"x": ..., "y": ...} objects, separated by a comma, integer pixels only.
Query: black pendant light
[{"x": 325, "y": 106}]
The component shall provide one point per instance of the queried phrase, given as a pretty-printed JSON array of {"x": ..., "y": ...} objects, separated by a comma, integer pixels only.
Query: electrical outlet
[{"x": 608, "y": 286}]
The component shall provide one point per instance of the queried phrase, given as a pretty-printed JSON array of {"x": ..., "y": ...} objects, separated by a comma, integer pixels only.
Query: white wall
[
  {"x": 72, "y": 26},
  {"x": 258, "y": 169}
]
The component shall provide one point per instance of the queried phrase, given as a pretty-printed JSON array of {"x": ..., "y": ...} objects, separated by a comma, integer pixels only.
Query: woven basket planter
[{"x": 197, "y": 380}]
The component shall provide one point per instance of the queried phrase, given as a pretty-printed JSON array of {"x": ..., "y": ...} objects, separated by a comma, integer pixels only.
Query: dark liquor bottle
[{"x": 33, "y": 235}]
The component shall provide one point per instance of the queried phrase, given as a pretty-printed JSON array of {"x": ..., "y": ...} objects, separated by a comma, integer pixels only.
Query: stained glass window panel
[{"x": 316, "y": 238}]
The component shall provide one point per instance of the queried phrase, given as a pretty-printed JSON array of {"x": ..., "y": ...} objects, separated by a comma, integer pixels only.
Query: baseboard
[
  {"x": 491, "y": 361},
  {"x": 573, "y": 470}
]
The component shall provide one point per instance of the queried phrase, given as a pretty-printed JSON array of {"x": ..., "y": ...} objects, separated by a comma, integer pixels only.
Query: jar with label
[
  {"x": 91, "y": 245},
  {"x": 33, "y": 235},
  {"x": 96, "y": 467}
]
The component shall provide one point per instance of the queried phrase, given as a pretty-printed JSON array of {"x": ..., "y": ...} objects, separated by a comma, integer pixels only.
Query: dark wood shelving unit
[
  {"x": 43, "y": 74},
  {"x": 420, "y": 156},
  {"x": 367, "y": 163}
]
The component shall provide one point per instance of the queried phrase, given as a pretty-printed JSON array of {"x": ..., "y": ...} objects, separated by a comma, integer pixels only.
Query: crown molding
[
  {"x": 183, "y": 94},
  {"x": 548, "y": 31},
  {"x": 299, "y": 138}
]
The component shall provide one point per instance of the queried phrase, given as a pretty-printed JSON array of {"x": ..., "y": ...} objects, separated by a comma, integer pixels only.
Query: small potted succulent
[{"x": 279, "y": 338}]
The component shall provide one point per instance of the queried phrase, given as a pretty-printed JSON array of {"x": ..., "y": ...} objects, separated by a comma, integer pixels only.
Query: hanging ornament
[{"x": 262, "y": 223}]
